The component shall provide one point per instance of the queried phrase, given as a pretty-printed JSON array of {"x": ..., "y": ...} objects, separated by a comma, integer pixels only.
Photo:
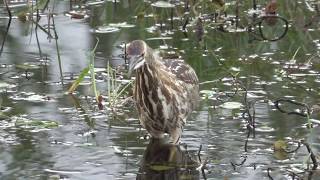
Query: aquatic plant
[{"x": 115, "y": 89}]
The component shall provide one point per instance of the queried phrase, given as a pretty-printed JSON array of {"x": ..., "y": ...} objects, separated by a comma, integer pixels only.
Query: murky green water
[{"x": 45, "y": 133}]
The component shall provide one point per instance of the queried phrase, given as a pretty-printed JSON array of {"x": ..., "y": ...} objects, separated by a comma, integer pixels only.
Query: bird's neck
[
  {"x": 151, "y": 68},
  {"x": 152, "y": 58}
]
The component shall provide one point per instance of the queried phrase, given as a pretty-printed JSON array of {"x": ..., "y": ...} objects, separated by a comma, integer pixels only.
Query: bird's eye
[{"x": 142, "y": 55}]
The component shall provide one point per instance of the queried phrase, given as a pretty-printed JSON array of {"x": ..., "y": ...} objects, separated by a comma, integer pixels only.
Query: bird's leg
[
  {"x": 175, "y": 135},
  {"x": 157, "y": 135}
]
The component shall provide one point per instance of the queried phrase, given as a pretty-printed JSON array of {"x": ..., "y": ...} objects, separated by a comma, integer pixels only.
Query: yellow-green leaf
[{"x": 76, "y": 83}]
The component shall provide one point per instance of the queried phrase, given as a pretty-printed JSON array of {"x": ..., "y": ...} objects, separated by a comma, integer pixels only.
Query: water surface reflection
[{"x": 163, "y": 161}]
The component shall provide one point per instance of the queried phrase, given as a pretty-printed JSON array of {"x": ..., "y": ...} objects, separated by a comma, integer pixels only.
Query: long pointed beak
[{"x": 135, "y": 63}]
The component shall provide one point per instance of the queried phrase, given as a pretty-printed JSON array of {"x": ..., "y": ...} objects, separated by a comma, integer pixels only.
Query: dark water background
[{"x": 87, "y": 143}]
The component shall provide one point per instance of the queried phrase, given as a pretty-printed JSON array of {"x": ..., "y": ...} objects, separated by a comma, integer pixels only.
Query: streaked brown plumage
[{"x": 166, "y": 91}]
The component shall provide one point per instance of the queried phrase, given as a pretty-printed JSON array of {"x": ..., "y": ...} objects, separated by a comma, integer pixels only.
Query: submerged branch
[
  {"x": 277, "y": 102},
  {"x": 234, "y": 165}
]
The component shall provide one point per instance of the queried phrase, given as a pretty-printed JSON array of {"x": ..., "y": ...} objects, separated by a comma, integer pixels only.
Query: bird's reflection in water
[{"x": 163, "y": 161}]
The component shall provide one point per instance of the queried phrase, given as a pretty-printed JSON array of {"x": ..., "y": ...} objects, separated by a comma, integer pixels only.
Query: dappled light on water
[{"x": 66, "y": 107}]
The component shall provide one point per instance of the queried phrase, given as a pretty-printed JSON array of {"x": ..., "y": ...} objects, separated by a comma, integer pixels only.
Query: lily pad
[
  {"x": 209, "y": 92},
  {"x": 106, "y": 29},
  {"x": 231, "y": 105},
  {"x": 27, "y": 66},
  {"x": 162, "y": 4},
  {"x": 121, "y": 25},
  {"x": 95, "y": 3},
  {"x": 265, "y": 128}
]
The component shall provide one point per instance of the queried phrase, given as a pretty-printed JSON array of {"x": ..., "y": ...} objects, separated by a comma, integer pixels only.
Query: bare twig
[
  {"x": 269, "y": 176},
  {"x": 57, "y": 47},
  {"x": 295, "y": 150},
  {"x": 203, "y": 167},
  {"x": 199, "y": 151},
  {"x": 8, "y": 9},
  {"x": 312, "y": 156},
  {"x": 36, "y": 31},
  {"x": 43, "y": 29},
  {"x": 125, "y": 53},
  {"x": 5, "y": 36},
  {"x": 293, "y": 175},
  {"x": 254, "y": 4},
  {"x": 247, "y": 140},
  {"x": 45, "y": 6},
  {"x": 8, "y": 26}
]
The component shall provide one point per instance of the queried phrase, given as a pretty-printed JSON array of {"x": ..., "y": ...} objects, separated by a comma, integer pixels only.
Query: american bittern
[{"x": 166, "y": 91}]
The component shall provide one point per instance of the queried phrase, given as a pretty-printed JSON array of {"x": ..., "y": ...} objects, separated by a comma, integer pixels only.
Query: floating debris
[
  {"x": 81, "y": 14},
  {"x": 23, "y": 122}
]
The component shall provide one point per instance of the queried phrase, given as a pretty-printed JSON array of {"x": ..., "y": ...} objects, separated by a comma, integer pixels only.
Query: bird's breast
[{"x": 159, "y": 98}]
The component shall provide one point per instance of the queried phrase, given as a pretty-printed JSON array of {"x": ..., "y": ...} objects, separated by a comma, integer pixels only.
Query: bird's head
[{"x": 136, "y": 53}]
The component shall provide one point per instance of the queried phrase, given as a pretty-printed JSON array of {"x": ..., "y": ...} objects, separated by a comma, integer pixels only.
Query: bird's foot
[{"x": 183, "y": 144}]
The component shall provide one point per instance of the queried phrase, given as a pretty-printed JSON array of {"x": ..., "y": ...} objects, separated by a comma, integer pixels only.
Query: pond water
[{"x": 47, "y": 133}]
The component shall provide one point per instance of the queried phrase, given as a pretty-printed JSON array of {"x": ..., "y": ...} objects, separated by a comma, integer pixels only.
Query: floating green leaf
[
  {"x": 280, "y": 155},
  {"x": 34, "y": 123}
]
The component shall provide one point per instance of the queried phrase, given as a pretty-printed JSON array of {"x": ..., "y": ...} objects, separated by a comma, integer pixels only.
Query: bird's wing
[{"x": 181, "y": 70}]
